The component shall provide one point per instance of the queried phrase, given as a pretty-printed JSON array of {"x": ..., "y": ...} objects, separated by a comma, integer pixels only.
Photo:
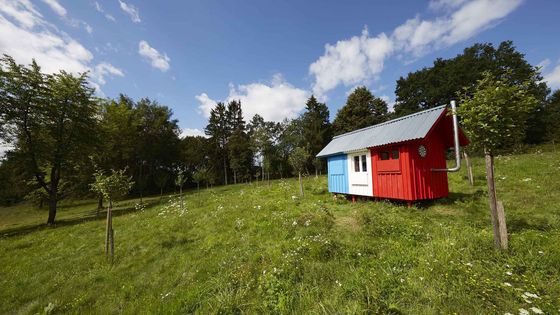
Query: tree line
[{"x": 62, "y": 134}]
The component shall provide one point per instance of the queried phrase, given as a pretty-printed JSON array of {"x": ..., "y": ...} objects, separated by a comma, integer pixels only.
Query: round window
[{"x": 422, "y": 151}]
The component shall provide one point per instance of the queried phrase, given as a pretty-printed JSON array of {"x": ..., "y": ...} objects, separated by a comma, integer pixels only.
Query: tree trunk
[
  {"x": 268, "y": 178},
  {"x": 225, "y": 170},
  {"x": 99, "y": 205},
  {"x": 140, "y": 183},
  {"x": 469, "y": 168},
  {"x": 503, "y": 227},
  {"x": 160, "y": 193},
  {"x": 300, "y": 185},
  {"x": 52, "y": 208},
  {"x": 234, "y": 177},
  {"x": 316, "y": 172},
  {"x": 500, "y": 232}
]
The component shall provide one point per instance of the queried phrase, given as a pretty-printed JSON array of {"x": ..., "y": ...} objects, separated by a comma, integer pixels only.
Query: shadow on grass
[
  {"x": 520, "y": 224},
  {"x": 87, "y": 216}
]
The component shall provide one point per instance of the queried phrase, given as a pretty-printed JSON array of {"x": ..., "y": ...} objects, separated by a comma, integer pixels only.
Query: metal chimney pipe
[{"x": 455, "y": 142}]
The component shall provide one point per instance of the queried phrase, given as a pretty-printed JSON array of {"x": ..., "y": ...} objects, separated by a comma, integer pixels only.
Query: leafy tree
[
  {"x": 361, "y": 110},
  {"x": 240, "y": 155},
  {"x": 436, "y": 85},
  {"x": 317, "y": 130},
  {"x": 263, "y": 136},
  {"x": 111, "y": 187},
  {"x": 494, "y": 115},
  {"x": 552, "y": 117},
  {"x": 50, "y": 120},
  {"x": 201, "y": 175},
  {"x": 298, "y": 159}
]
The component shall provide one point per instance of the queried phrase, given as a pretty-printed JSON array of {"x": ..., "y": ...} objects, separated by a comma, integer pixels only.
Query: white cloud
[
  {"x": 360, "y": 59},
  {"x": 206, "y": 104},
  {"x": 418, "y": 37},
  {"x": 56, "y": 7},
  {"x": 157, "y": 60},
  {"x": 99, "y": 9},
  {"x": 131, "y": 10},
  {"x": 189, "y": 132},
  {"x": 274, "y": 101},
  {"x": 25, "y": 35},
  {"x": 350, "y": 61},
  {"x": 99, "y": 72},
  {"x": 552, "y": 78}
]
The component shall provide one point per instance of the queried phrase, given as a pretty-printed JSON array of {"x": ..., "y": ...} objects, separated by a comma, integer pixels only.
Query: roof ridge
[{"x": 391, "y": 121}]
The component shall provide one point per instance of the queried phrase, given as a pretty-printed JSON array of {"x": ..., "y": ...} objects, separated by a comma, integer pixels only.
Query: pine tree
[
  {"x": 317, "y": 130},
  {"x": 362, "y": 109},
  {"x": 219, "y": 132}
]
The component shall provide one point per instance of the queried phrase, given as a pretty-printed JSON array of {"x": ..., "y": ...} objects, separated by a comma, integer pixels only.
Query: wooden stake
[
  {"x": 469, "y": 168},
  {"x": 503, "y": 227},
  {"x": 493, "y": 200}
]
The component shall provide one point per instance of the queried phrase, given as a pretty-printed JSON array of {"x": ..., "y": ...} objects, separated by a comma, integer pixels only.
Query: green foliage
[
  {"x": 298, "y": 159},
  {"x": 317, "y": 130},
  {"x": 361, "y": 110},
  {"x": 494, "y": 112},
  {"x": 437, "y": 85},
  {"x": 50, "y": 120},
  {"x": 551, "y": 113},
  {"x": 112, "y": 187}
]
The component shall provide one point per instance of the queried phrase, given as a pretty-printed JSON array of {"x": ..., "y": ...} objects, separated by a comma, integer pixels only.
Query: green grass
[{"x": 256, "y": 249}]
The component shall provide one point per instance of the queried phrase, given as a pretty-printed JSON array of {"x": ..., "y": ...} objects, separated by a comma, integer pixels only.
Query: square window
[
  {"x": 384, "y": 155},
  {"x": 395, "y": 154},
  {"x": 356, "y": 164},
  {"x": 364, "y": 163}
]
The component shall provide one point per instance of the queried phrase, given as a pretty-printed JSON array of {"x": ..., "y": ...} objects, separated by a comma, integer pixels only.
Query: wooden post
[
  {"x": 502, "y": 224},
  {"x": 469, "y": 168},
  {"x": 300, "y": 185},
  {"x": 496, "y": 218}
]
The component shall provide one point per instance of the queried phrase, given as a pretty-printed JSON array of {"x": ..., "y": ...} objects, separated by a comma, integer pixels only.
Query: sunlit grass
[{"x": 259, "y": 249}]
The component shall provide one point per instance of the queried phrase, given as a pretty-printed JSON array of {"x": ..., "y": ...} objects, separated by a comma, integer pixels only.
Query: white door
[{"x": 359, "y": 173}]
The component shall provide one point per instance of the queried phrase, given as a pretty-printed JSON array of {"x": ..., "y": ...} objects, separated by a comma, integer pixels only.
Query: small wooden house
[{"x": 403, "y": 159}]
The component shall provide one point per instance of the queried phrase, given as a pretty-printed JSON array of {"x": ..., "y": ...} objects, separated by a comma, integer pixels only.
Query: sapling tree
[
  {"x": 494, "y": 115},
  {"x": 179, "y": 182},
  {"x": 161, "y": 178},
  {"x": 298, "y": 158},
  {"x": 111, "y": 187}
]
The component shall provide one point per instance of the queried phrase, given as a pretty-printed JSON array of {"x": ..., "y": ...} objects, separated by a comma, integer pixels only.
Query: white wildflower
[
  {"x": 508, "y": 273},
  {"x": 523, "y": 311},
  {"x": 507, "y": 284},
  {"x": 469, "y": 264},
  {"x": 527, "y": 179},
  {"x": 536, "y": 310},
  {"x": 294, "y": 223},
  {"x": 541, "y": 252},
  {"x": 531, "y": 295},
  {"x": 402, "y": 280}
]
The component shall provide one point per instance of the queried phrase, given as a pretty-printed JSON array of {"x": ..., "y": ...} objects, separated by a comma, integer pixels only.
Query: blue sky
[{"x": 270, "y": 54}]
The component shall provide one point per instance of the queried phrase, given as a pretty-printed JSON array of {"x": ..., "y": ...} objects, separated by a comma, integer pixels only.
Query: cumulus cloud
[
  {"x": 350, "y": 61},
  {"x": 157, "y": 60},
  {"x": 190, "y": 132},
  {"x": 361, "y": 58},
  {"x": 274, "y": 101},
  {"x": 25, "y": 35},
  {"x": 56, "y": 7},
  {"x": 131, "y": 10},
  {"x": 205, "y": 104}
]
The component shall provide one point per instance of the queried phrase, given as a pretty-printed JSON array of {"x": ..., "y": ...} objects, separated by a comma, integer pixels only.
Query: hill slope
[{"x": 249, "y": 248}]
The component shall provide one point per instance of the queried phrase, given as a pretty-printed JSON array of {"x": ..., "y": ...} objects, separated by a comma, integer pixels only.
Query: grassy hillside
[{"x": 260, "y": 249}]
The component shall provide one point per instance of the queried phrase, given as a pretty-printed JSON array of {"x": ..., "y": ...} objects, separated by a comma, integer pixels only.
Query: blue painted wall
[{"x": 338, "y": 174}]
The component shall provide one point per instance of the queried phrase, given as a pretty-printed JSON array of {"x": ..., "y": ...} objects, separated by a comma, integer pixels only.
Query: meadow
[{"x": 260, "y": 248}]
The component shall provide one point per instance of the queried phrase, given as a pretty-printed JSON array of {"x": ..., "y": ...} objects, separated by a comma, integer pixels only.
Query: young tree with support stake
[
  {"x": 298, "y": 159},
  {"x": 494, "y": 115},
  {"x": 112, "y": 187}
]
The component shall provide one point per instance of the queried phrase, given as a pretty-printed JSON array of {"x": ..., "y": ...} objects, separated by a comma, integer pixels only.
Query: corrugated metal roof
[{"x": 411, "y": 127}]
